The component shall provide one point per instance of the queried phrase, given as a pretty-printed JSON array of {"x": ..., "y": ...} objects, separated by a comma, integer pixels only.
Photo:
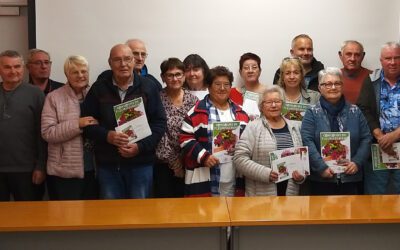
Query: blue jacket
[{"x": 350, "y": 119}]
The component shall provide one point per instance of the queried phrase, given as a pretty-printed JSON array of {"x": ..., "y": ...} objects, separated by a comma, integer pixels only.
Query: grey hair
[
  {"x": 300, "y": 36},
  {"x": 11, "y": 53},
  {"x": 32, "y": 52},
  {"x": 347, "y": 42},
  {"x": 394, "y": 45},
  {"x": 333, "y": 71},
  {"x": 269, "y": 90}
]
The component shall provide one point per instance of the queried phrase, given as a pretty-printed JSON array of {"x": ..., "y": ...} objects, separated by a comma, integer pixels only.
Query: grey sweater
[{"x": 21, "y": 147}]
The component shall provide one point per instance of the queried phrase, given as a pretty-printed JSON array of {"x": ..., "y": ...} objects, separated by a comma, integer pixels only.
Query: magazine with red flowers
[
  {"x": 225, "y": 137},
  {"x": 382, "y": 161},
  {"x": 335, "y": 150},
  {"x": 294, "y": 111},
  {"x": 131, "y": 119}
]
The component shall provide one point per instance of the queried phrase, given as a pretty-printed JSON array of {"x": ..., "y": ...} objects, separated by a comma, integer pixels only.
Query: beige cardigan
[
  {"x": 252, "y": 157},
  {"x": 60, "y": 128}
]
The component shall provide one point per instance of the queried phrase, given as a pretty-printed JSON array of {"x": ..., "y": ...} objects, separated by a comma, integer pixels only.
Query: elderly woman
[
  {"x": 70, "y": 165},
  {"x": 333, "y": 114},
  {"x": 168, "y": 170},
  {"x": 271, "y": 132},
  {"x": 291, "y": 79},
  {"x": 196, "y": 73},
  {"x": 205, "y": 175},
  {"x": 250, "y": 71}
]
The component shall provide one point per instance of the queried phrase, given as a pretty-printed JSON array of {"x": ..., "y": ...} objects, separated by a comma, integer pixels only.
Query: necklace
[{"x": 295, "y": 100}]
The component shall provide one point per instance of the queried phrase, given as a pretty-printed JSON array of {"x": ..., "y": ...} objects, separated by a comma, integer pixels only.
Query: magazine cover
[
  {"x": 250, "y": 104},
  {"x": 377, "y": 159},
  {"x": 335, "y": 150},
  {"x": 294, "y": 111},
  {"x": 131, "y": 119},
  {"x": 286, "y": 161},
  {"x": 225, "y": 136}
]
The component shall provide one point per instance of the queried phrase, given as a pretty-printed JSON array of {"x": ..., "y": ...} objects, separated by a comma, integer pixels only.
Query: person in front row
[
  {"x": 261, "y": 136},
  {"x": 22, "y": 150},
  {"x": 302, "y": 47},
  {"x": 333, "y": 114},
  {"x": 124, "y": 170},
  {"x": 205, "y": 175},
  {"x": 169, "y": 170},
  {"x": 379, "y": 100},
  {"x": 70, "y": 162},
  {"x": 291, "y": 79}
]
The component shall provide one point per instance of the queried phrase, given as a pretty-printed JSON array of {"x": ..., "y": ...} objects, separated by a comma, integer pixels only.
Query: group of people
[{"x": 65, "y": 135}]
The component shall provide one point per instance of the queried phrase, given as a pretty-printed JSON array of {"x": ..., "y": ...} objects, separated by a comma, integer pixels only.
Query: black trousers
[
  {"x": 333, "y": 188},
  {"x": 72, "y": 188},
  {"x": 166, "y": 185},
  {"x": 19, "y": 186}
]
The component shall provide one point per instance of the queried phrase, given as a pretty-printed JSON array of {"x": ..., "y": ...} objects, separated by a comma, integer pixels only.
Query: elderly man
[
  {"x": 379, "y": 100},
  {"x": 302, "y": 47},
  {"x": 39, "y": 68},
  {"x": 139, "y": 54},
  {"x": 352, "y": 54},
  {"x": 124, "y": 170},
  {"x": 22, "y": 150}
]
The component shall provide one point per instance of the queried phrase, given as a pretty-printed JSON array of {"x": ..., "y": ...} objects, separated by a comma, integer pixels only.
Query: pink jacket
[{"x": 60, "y": 128}]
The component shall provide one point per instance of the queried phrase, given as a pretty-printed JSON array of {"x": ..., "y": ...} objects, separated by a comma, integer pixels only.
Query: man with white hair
[{"x": 379, "y": 100}]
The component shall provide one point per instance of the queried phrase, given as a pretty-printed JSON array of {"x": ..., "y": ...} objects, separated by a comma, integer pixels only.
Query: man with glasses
[
  {"x": 139, "y": 54},
  {"x": 379, "y": 100},
  {"x": 302, "y": 47},
  {"x": 124, "y": 170},
  {"x": 22, "y": 150},
  {"x": 39, "y": 68},
  {"x": 352, "y": 54}
]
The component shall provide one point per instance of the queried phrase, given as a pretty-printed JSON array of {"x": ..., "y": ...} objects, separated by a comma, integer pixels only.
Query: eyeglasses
[
  {"x": 139, "y": 54},
  {"x": 295, "y": 58},
  {"x": 118, "y": 60},
  {"x": 330, "y": 85},
  {"x": 41, "y": 63},
  {"x": 390, "y": 59},
  {"x": 172, "y": 76},
  {"x": 270, "y": 103},
  {"x": 219, "y": 85}
]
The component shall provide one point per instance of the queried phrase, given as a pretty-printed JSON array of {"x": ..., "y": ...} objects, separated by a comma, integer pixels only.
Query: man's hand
[
  {"x": 128, "y": 151},
  {"x": 38, "y": 176},
  {"x": 386, "y": 142},
  {"x": 211, "y": 161},
  {"x": 117, "y": 139}
]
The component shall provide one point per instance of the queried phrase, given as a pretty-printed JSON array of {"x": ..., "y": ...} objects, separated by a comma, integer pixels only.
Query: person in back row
[
  {"x": 302, "y": 47},
  {"x": 140, "y": 54},
  {"x": 39, "y": 67},
  {"x": 124, "y": 168}
]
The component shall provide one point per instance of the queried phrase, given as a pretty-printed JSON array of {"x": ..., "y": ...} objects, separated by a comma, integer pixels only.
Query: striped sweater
[{"x": 197, "y": 147}]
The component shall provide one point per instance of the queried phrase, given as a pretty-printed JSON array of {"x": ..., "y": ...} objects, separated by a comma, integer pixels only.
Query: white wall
[
  {"x": 14, "y": 32},
  {"x": 218, "y": 30}
]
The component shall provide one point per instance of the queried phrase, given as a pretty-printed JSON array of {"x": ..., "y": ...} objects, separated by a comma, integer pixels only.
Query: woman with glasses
[
  {"x": 269, "y": 133},
  {"x": 291, "y": 79},
  {"x": 196, "y": 73},
  {"x": 250, "y": 71},
  {"x": 333, "y": 113},
  {"x": 205, "y": 174},
  {"x": 168, "y": 170},
  {"x": 70, "y": 163}
]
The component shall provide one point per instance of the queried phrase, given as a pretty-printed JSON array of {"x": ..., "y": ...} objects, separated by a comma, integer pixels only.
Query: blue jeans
[
  {"x": 126, "y": 182},
  {"x": 381, "y": 181}
]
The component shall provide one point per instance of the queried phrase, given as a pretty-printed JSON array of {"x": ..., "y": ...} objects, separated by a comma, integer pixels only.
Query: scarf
[{"x": 333, "y": 111}]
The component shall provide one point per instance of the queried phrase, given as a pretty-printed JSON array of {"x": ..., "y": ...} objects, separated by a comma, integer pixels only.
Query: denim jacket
[{"x": 350, "y": 119}]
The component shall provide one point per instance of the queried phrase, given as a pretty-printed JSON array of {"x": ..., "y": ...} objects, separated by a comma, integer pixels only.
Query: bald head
[
  {"x": 139, "y": 53},
  {"x": 121, "y": 62}
]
